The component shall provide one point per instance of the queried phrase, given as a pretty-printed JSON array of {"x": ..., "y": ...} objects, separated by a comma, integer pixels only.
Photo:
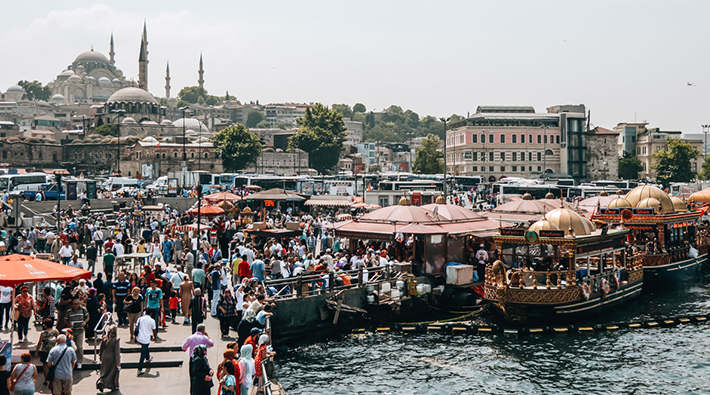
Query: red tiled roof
[{"x": 601, "y": 130}]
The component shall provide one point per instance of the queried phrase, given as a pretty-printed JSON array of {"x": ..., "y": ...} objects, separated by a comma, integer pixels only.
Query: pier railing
[{"x": 310, "y": 283}]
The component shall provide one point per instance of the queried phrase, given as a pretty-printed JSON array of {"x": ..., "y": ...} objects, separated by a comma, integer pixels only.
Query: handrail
[{"x": 106, "y": 318}]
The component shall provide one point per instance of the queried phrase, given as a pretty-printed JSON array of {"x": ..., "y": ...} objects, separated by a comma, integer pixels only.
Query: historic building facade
[{"x": 602, "y": 158}]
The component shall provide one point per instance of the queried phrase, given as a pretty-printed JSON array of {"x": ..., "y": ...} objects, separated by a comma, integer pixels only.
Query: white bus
[{"x": 26, "y": 181}]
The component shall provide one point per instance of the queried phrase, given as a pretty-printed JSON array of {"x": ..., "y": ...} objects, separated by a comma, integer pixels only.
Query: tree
[
  {"x": 629, "y": 168},
  {"x": 321, "y": 133},
  {"x": 282, "y": 125},
  {"x": 237, "y": 146},
  {"x": 673, "y": 163},
  {"x": 107, "y": 129},
  {"x": 35, "y": 90},
  {"x": 192, "y": 94},
  {"x": 705, "y": 171},
  {"x": 263, "y": 125},
  {"x": 343, "y": 109},
  {"x": 253, "y": 118},
  {"x": 373, "y": 169},
  {"x": 359, "y": 107},
  {"x": 428, "y": 156}
]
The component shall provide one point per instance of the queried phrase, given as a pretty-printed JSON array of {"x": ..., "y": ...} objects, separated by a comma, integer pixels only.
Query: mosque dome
[
  {"x": 191, "y": 123},
  {"x": 67, "y": 72},
  {"x": 75, "y": 79},
  {"x": 91, "y": 56},
  {"x": 679, "y": 204},
  {"x": 15, "y": 89},
  {"x": 166, "y": 122},
  {"x": 131, "y": 94},
  {"x": 128, "y": 121},
  {"x": 619, "y": 203},
  {"x": 104, "y": 81},
  {"x": 150, "y": 140},
  {"x": 566, "y": 218},
  {"x": 642, "y": 192},
  {"x": 116, "y": 81},
  {"x": 149, "y": 123},
  {"x": 58, "y": 98},
  {"x": 92, "y": 79}
]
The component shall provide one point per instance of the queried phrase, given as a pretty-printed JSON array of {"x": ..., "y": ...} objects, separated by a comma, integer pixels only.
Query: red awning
[
  {"x": 207, "y": 211},
  {"x": 17, "y": 269}
]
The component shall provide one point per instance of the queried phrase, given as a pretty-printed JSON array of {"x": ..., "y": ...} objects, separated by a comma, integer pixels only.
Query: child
[{"x": 173, "y": 303}]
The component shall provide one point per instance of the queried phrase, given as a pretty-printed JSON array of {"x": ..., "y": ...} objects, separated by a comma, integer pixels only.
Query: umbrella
[
  {"x": 222, "y": 196},
  {"x": 225, "y": 205},
  {"x": 18, "y": 269},
  {"x": 208, "y": 211}
]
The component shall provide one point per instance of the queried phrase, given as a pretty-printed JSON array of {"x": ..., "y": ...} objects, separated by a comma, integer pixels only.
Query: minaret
[
  {"x": 226, "y": 98},
  {"x": 143, "y": 61},
  {"x": 201, "y": 72},
  {"x": 111, "y": 54},
  {"x": 167, "y": 82}
]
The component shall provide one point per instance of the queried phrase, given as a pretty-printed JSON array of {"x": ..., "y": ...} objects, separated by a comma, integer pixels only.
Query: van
[{"x": 115, "y": 183}]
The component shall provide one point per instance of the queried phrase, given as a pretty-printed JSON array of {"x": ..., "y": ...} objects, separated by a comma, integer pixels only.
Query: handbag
[
  {"x": 14, "y": 381},
  {"x": 135, "y": 331}
]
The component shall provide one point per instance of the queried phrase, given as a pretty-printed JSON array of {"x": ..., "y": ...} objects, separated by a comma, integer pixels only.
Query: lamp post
[
  {"x": 184, "y": 152},
  {"x": 706, "y": 128},
  {"x": 118, "y": 140},
  {"x": 446, "y": 140},
  {"x": 483, "y": 140}
]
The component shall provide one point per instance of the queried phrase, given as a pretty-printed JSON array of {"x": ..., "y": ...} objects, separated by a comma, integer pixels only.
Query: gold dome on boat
[
  {"x": 642, "y": 192},
  {"x": 527, "y": 196},
  {"x": 542, "y": 224},
  {"x": 679, "y": 204},
  {"x": 440, "y": 200},
  {"x": 549, "y": 195},
  {"x": 604, "y": 193},
  {"x": 649, "y": 203},
  {"x": 404, "y": 201},
  {"x": 619, "y": 203},
  {"x": 565, "y": 219}
]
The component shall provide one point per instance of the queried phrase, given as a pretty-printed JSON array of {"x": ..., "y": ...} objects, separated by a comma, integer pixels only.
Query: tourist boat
[
  {"x": 663, "y": 231},
  {"x": 560, "y": 267}
]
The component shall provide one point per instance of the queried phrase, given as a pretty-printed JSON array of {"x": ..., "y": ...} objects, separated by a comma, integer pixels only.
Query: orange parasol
[
  {"x": 208, "y": 211},
  {"x": 222, "y": 196},
  {"x": 18, "y": 269}
]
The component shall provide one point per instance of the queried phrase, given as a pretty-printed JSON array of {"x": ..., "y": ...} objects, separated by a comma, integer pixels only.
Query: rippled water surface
[{"x": 640, "y": 361}]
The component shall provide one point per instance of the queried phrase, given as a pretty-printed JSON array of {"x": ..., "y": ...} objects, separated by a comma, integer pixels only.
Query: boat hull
[
  {"x": 667, "y": 274},
  {"x": 527, "y": 313}
]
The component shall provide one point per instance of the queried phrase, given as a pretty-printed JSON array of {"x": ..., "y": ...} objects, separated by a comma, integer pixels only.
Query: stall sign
[
  {"x": 269, "y": 203},
  {"x": 643, "y": 211},
  {"x": 598, "y": 247},
  {"x": 683, "y": 224},
  {"x": 512, "y": 232},
  {"x": 552, "y": 233},
  {"x": 611, "y": 211}
]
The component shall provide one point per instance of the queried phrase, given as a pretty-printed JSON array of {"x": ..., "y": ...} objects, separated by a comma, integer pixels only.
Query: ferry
[
  {"x": 560, "y": 267},
  {"x": 663, "y": 230}
]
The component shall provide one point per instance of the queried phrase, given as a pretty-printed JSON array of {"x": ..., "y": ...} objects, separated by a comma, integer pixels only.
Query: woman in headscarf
[
  {"x": 201, "y": 372},
  {"x": 262, "y": 354},
  {"x": 94, "y": 308},
  {"x": 229, "y": 359},
  {"x": 110, "y": 353},
  {"x": 226, "y": 308},
  {"x": 246, "y": 370}
]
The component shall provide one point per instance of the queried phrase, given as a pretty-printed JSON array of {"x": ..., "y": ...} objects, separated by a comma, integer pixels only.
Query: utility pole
[
  {"x": 706, "y": 128},
  {"x": 446, "y": 140},
  {"x": 118, "y": 145},
  {"x": 544, "y": 152}
]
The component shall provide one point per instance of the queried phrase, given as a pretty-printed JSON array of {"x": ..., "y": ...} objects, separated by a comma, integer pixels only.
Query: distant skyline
[{"x": 625, "y": 60}]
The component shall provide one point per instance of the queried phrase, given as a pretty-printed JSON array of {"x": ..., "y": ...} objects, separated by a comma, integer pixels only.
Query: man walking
[
  {"x": 120, "y": 291},
  {"x": 146, "y": 326},
  {"x": 77, "y": 317},
  {"x": 91, "y": 256},
  {"x": 63, "y": 358},
  {"x": 216, "y": 284},
  {"x": 199, "y": 337}
]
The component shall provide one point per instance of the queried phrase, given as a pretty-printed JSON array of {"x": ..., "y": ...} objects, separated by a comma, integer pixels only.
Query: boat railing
[
  {"x": 554, "y": 279},
  {"x": 672, "y": 254},
  {"x": 311, "y": 284}
]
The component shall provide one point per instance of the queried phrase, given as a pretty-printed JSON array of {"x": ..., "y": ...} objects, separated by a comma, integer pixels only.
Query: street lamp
[
  {"x": 184, "y": 152},
  {"x": 706, "y": 128},
  {"x": 118, "y": 132},
  {"x": 446, "y": 139}
]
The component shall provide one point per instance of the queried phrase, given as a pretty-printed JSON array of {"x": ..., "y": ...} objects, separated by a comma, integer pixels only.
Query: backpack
[{"x": 49, "y": 340}]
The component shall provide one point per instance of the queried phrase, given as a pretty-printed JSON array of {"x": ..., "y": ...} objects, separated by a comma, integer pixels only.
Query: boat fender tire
[
  {"x": 605, "y": 286},
  {"x": 586, "y": 292}
]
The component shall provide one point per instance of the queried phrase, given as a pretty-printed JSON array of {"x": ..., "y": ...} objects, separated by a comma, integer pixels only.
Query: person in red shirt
[
  {"x": 243, "y": 270},
  {"x": 148, "y": 274}
]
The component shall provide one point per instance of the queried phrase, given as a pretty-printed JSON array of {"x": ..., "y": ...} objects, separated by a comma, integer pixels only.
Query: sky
[{"x": 625, "y": 60}]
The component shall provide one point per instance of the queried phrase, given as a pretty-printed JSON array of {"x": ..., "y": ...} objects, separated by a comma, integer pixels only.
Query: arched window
[
  {"x": 502, "y": 139},
  {"x": 549, "y": 152},
  {"x": 522, "y": 139},
  {"x": 163, "y": 156},
  {"x": 205, "y": 155},
  {"x": 515, "y": 139},
  {"x": 192, "y": 154},
  {"x": 175, "y": 154}
]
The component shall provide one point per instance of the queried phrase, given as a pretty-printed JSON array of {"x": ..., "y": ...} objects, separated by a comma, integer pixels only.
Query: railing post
[
  {"x": 331, "y": 281},
  {"x": 299, "y": 287},
  {"x": 359, "y": 278},
  {"x": 547, "y": 280}
]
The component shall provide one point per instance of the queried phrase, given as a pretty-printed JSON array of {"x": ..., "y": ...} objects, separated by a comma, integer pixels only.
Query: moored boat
[
  {"x": 560, "y": 267},
  {"x": 664, "y": 234}
]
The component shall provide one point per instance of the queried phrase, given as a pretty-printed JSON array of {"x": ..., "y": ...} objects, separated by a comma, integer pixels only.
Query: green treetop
[
  {"x": 428, "y": 156},
  {"x": 237, "y": 146},
  {"x": 321, "y": 133},
  {"x": 674, "y": 163}
]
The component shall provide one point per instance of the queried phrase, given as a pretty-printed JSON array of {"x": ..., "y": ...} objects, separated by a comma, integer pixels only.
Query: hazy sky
[{"x": 625, "y": 60}]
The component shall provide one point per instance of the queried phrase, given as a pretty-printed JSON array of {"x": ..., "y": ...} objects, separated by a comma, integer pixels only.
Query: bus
[
  {"x": 505, "y": 192},
  {"x": 420, "y": 185},
  {"x": 616, "y": 184},
  {"x": 27, "y": 181},
  {"x": 466, "y": 183}
]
